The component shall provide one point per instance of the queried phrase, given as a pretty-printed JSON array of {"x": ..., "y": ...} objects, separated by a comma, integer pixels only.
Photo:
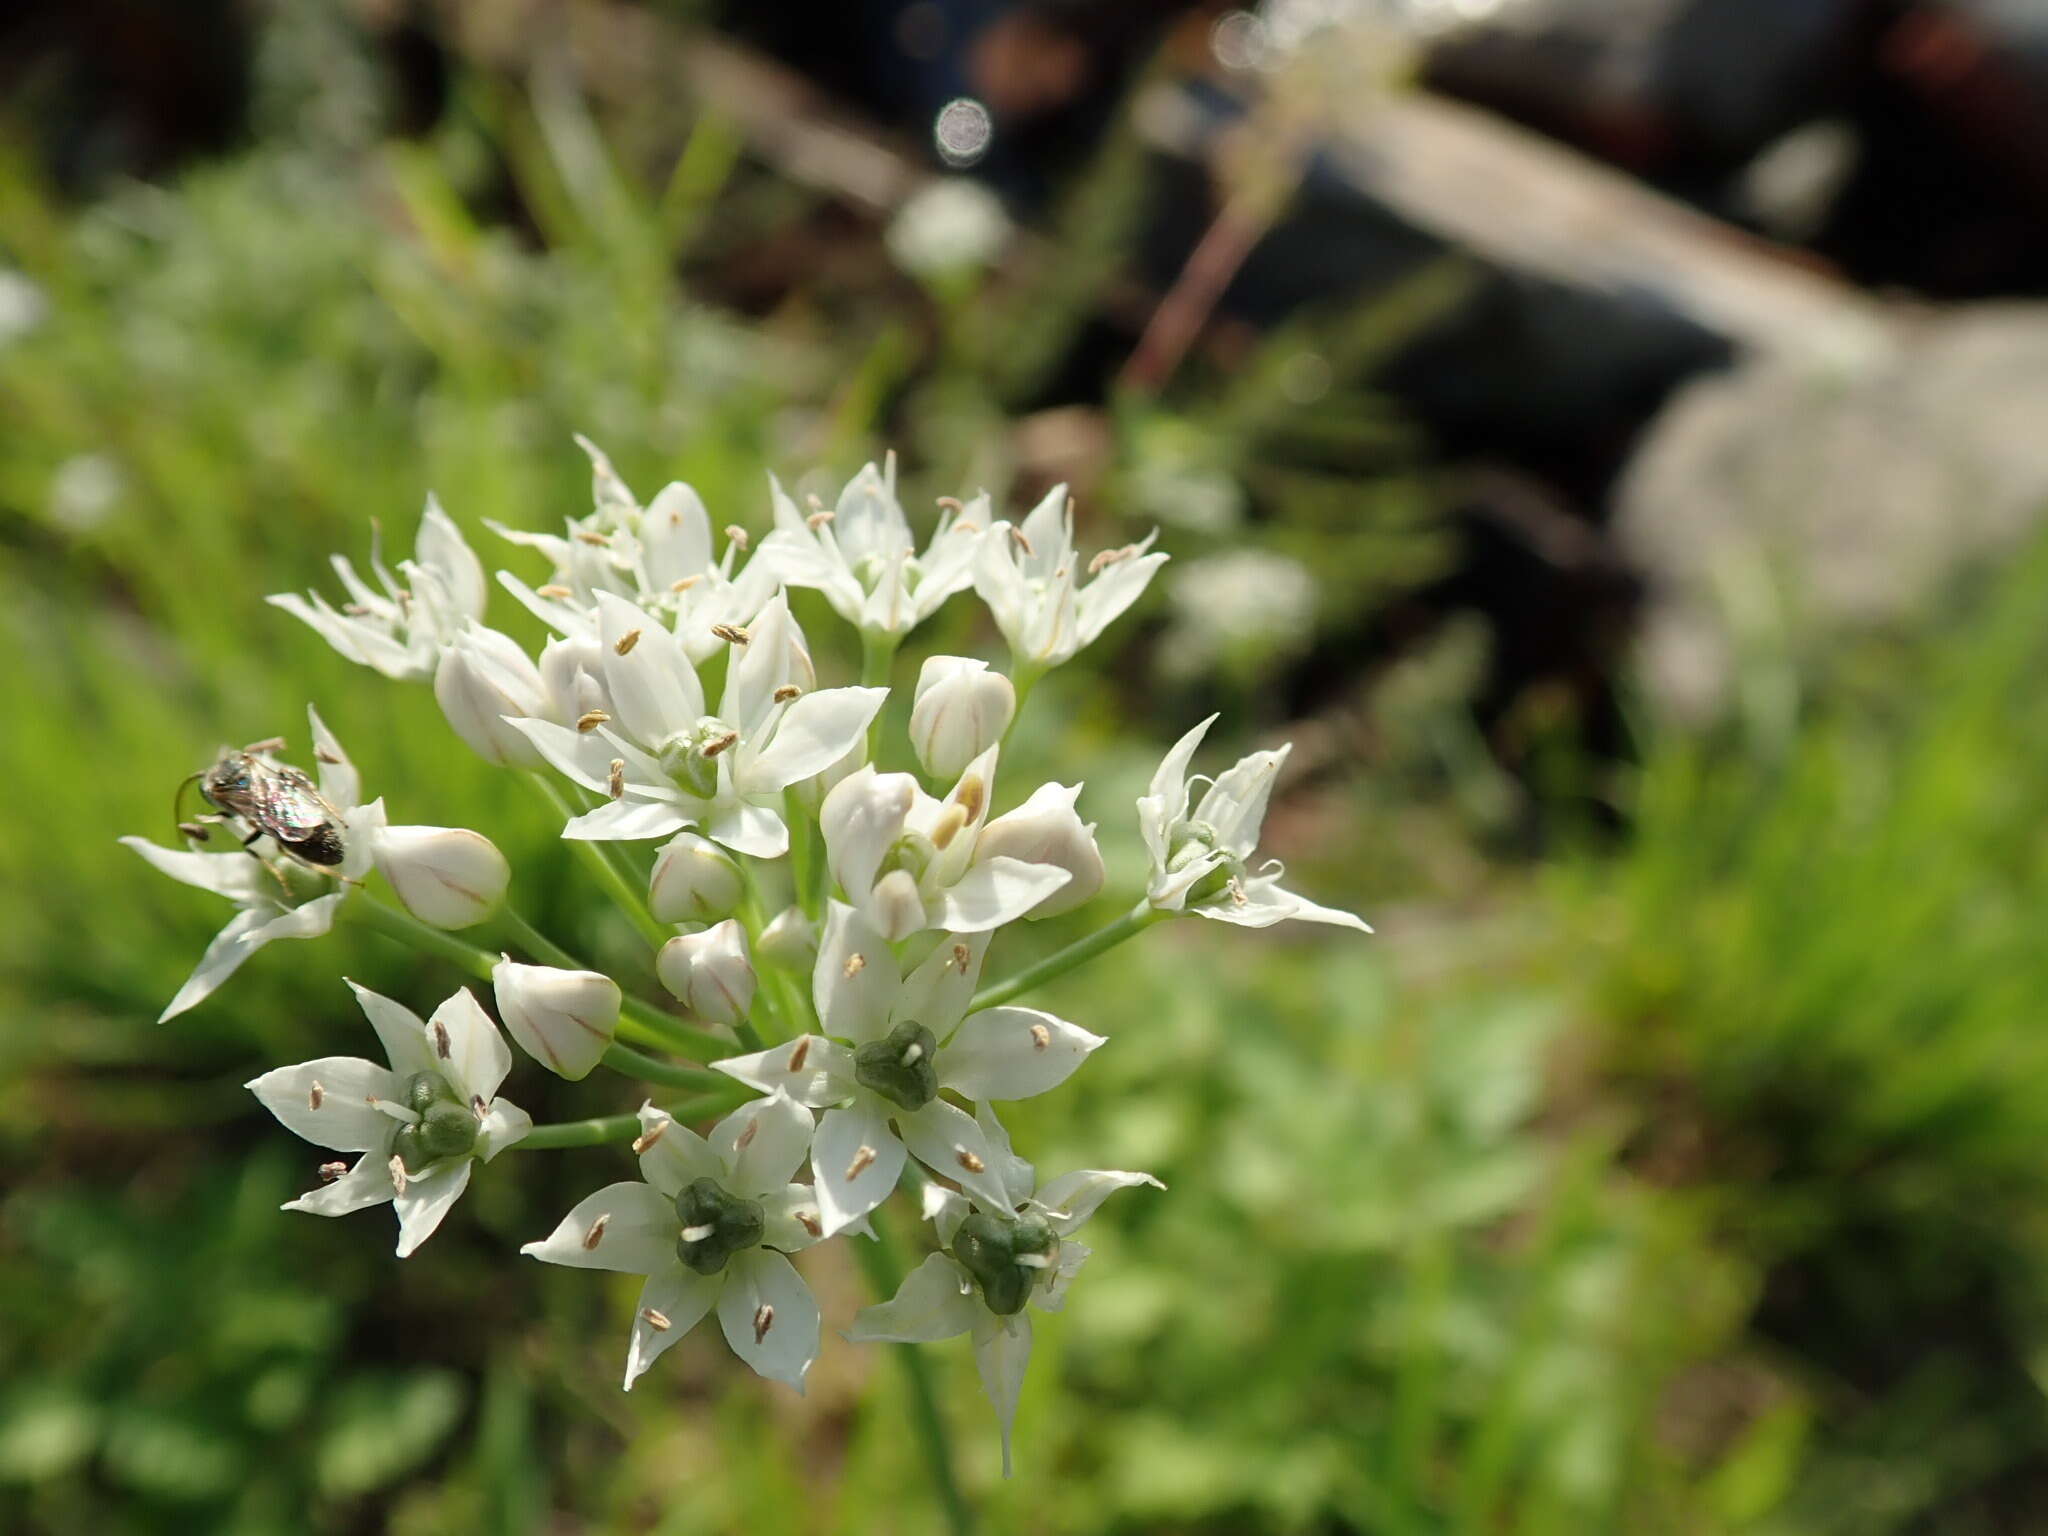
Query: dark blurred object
[{"x": 1942, "y": 180}]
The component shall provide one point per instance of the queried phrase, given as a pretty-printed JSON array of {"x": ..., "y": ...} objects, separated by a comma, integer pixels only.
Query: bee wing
[{"x": 288, "y": 805}]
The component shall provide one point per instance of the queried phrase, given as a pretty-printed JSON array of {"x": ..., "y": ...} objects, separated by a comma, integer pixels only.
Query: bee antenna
[{"x": 178, "y": 799}]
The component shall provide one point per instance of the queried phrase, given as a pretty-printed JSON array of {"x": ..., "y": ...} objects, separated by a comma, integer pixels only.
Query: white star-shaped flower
[
  {"x": 664, "y": 763},
  {"x": 420, "y": 1124},
  {"x": 708, "y": 1225},
  {"x": 401, "y": 626},
  {"x": 892, "y": 1044},
  {"x": 1201, "y": 861},
  {"x": 998, "y": 1258},
  {"x": 1031, "y": 578},
  {"x": 862, "y": 556}
]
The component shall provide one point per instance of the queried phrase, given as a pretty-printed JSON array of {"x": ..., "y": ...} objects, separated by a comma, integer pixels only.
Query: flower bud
[
  {"x": 483, "y": 677},
  {"x": 448, "y": 876},
  {"x": 1046, "y": 830},
  {"x": 961, "y": 710},
  {"x": 710, "y": 972},
  {"x": 895, "y": 907},
  {"x": 694, "y": 881},
  {"x": 572, "y": 671},
  {"x": 789, "y": 942},
  {"x": 562, "y": 1019}
]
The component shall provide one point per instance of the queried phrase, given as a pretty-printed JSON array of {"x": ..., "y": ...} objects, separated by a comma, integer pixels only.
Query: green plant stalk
[
  {"x": 884, "y": 1271},
  {"x": 792, "y": 1013},
  {"x": 608, "y": 874},
  {"x": 805, "y": 861},
  {"x": 1080, "y": 952},
  {"x": 602, "y": 1130},
  {"x": 631, "y": 1063},
  {"x": 538, "y": 944},
  {"x": 877, "y": 660}
]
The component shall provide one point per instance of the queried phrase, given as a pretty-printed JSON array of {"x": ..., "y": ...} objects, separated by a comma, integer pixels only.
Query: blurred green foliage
[{"x": 1693, "y": 1183}]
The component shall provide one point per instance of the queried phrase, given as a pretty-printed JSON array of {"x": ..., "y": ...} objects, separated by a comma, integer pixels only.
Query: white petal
[
  {"x": 854, "y": 983},
  {"x": 945, "y": 1209},
  {"x": 671, "y": 1154},
  {"x": 504, "y": 1125},
  {"x": 861, "y": 817},
  {"x": 222, "y": 957},
  {"x": 399, "y": 1029},
  {"x": 626, "y": 821},
  {"x": 1265, "y": 904},
  {"x": 365, "y": 1185},
  {"x": 810, "y": 1069},
  {"x": 1072, "y": 1198},
  {"x": 1012, "y": 1053},
  {"x": 578, "y": 756},
  {"x": 340, "y": 784},
  {"x": 752, "y": 830},
  {"x": 936, "y": 994},
  {"x": 440, "y": 544},
  {"x": 477, "y": 1059},
  {"x": 1053, "y": 1295},
  {"x": 1235, "y": 805},
  {"x": 936, "y": 1301},
  {"x": 1017, "y": 1177},
  {"x": 794, "y": 1220},
  {"x": 565, "y": 619},
  {"x": 678, "y": 1300},
  {"x": 1105, "y": 598},
  {"x": 947, "y": 1141},
  {"x": 428, "y": 1198},
  {"x": 855, "y": 1160},
  {"x": 1166, "y": 801},
  {"x": 330, "y": 1102},
  {"x": 635, "y": 1231},
  {"x": 1002, "y": 1350},
  {"x": 998, "y": 891},
  {"x": 814, "y": 733},
  {"x": 769, "y": 1316},
  {"x": 653, "y": 684},
  {"x": 236, "y": 876},
  {"x": 774, "y": 656},
  {"x": 762, "y": 1143},
  {"x": 676, "y": 535}
]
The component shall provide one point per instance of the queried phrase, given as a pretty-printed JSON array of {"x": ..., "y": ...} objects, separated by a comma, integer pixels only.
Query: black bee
[{"x": 276, "y": 801}]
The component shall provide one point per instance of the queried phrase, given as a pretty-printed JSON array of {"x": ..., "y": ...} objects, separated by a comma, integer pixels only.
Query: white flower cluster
[{"x": 787, "y": 853}]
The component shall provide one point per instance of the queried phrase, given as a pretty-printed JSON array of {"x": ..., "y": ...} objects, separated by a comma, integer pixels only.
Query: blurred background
[{"x": 1605, "y": 435}]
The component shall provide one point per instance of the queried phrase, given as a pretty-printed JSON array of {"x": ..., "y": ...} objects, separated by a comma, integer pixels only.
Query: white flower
[
  {"x": 708, "y": 1228},
  {"x": 694, "y": 881},
  {"x": 789, "y": 942},
  {"x": 658, "y": 558},
  {"x": 1030, "y": 577},
  {"x": 564, "y": 1020},
  {"x": 998, "y": 1258},
  {"x": 961, "y": 710},
  {"x": 710, "y": 971},
  {"x": 862, "y": 557},
  {"x": 892, "y": 1042},
  {"x": 1200, "y": 861},
  {"x": 421, "y": 1124},
  {"x": 402, "y": 629},
  {"x": 1243, "y": 603},
  {"x": 665, "y": 764},
  {"x": 909, "y": 862},
  {"x": 276, "y": 899},
  {"x": 483, "y": 677},
  {"x": 447, "y": 876},
  {"x": 1046, "y": 829},
  {"x": 951, "y": 224}
]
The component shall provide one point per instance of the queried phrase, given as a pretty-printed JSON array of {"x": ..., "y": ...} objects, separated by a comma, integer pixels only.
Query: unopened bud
[
  {"x": 1046, "y": 830},
  {"x": 789, "y": 942},
  {"x": 572, "y": 672},
  {"x": 694, "y": 881},
  {"x": 483, "y": 677},
  {"x": 895, "y": 907},
  {"x": 564, "y": 1020},
  {"x": 447, "y": 876},
  {"x": 710, "y": 972},
  {"x": 961, "y": 710}
]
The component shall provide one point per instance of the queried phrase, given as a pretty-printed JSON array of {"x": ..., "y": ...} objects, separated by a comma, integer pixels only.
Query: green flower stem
[
  {"x": 884, "y": 1270},
  {"x": 785, "y": 1002},
  {"x": 650, "y": 1025},
  {"x": 624, "y": 1059},
  {"x": 604, "y": 1129},
  {"x": 877, "y": 660},
  {"x": 1080, "y": 952},
  {"x": 598, "y": 861},
  {"x": 806, "y": 863},
  {"x": 1024, "y": 676},
  {"x": 538, "y": 944}
]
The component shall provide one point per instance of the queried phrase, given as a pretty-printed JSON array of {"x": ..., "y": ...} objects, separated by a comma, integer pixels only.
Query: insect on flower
[{"x": 275, "y": 800}]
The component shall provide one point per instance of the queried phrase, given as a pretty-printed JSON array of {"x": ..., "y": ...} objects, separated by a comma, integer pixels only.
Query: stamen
[
  {"x": 731, "y": 634},
  {"x": 1041, "y": 1037},
  {"x": 442, "y": 1044},
  {"x": 1237, "y": 895},
  {"x": 718, "y": 744},
  {"x": 329, "y": 1172},
  {"x": 738, "y": 536},
  {"x": 322, "y": 755},
  {"x": 658, "y": 1321},
  {"x": 477, "y": 1106},
  {"x": 799, "y": 1054},
  {"x": 1022, "y": 542},
  {"x": 616, "y": 783},
  {"x": 968, "y": 1160},
  {"x": 591, "y": 720},
  {"x": 746, "y": 1137},
  {"x": 970, "y": 795},
  {"x": 627, "y": 641},
  {"x": 354, "y": 610},
  {"x": 589, "y": 536},
  {"x": 788, "y": 693},
  {"x": 863, "y": 1159},
  {"x": 698, "y": 1233},
  {"x": 646, "y": 1139},
  {"x": 596, "y": 1233},
  {"x": 315, "y": 1093},
  {"x": 948, "y": 827},
  {"x": 819, "y": 519},
  {"x": 684, "y": 583},
  {"x": 764, "y": 1319},
  {"x": 1109, "y": 557},
  {"x": 554, "y": 589},
  {"x": 267, "y": 744},
  {"x": 962, "y": 957},
  {"x": 855, "y": 964},
  {"x": 952, "y": 504},
  {"x": 195, "y": 831},
  {"x": 397, "y": 1167},
  {"x": 811, "y": 499},
  {"x": 808, "y": 1220}
]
